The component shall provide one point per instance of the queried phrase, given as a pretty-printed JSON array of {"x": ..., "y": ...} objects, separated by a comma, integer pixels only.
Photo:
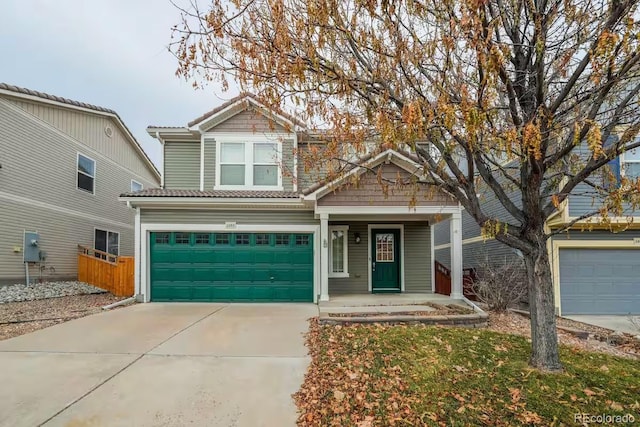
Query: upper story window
[
  {"x": 630, "y": 161},
  {"x": 136, "y": 186},
  {"x": 246, "y": 165},
  {"x": 86, "y": 173}
]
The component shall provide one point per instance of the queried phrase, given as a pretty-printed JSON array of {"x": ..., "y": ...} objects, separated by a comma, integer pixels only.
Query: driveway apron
[{"x": 159, "y": 365}]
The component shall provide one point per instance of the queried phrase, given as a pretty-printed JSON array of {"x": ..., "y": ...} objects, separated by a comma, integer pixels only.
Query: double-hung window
[
  {"x": 107, "y": 241},
  {"x": 86, "y": 173},
  {"x": 249, "y": 165},
  {"x": 630, "y": 161},
  {"x": 338, "y": 251}
]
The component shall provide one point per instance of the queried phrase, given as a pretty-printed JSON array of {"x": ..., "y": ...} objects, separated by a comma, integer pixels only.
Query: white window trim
[
  {"x": 345, "y": 251},
  {"x": 623, "y": 162},
  {"x": 139, "y": 183},
  {"x": 95, "y": 172},
  {"x": 107, "y": 231},
  {"x": 249, "y": 142}
]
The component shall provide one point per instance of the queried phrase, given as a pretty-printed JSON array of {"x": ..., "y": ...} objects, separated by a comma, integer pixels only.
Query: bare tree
[{"x": 531, "y": 98}]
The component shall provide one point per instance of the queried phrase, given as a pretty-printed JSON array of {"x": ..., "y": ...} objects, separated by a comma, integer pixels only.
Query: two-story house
[
  {"x": 63, "y": 165},
  {"x": 595, "y": 266},
  {"x": 240, "y": 217}
]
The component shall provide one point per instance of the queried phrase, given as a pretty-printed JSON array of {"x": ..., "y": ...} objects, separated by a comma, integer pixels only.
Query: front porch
[
  {"x": 376, "y": 234},
  {"x": 385, "y": 255}
]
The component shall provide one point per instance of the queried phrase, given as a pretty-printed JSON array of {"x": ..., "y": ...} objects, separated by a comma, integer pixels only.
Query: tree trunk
[{"x": 544, "y": 335}]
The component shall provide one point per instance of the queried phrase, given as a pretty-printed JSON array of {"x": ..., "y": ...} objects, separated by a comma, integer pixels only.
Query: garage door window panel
[
  {"x": 203, "y": 238},
  {"x": 182, "y": 238},
  {"x": 223, "y": 238},
  {"x": 282, "y": 239}
]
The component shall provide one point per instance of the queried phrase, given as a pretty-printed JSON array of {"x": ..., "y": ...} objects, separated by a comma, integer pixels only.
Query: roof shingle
[
  {"x": 214, "y": 194},
  {"x": 243, "y": 96}
]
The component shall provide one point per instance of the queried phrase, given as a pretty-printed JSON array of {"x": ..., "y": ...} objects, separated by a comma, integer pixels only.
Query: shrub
[{"x": 501, "y": 286}]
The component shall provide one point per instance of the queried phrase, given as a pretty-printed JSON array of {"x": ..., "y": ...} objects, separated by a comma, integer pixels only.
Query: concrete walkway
[
  {"x": 159, "y": 365},
  {"x": 615, "y": 323}
]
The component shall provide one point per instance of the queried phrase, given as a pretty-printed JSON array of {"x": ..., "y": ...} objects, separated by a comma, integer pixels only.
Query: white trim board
[
  {"x": 369, "y": 254},
  {"x": 145, "y": 254},
  {"x": 388, "y": 210}
]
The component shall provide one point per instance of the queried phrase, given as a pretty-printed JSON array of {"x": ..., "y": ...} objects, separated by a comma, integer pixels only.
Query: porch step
[
  {"x": 388, "y": 300},
  {"x": 376, "y": 309}
]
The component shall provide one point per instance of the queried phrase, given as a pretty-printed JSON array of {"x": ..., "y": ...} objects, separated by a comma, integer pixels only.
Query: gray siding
[
  {"x": 417, "y": 257},
  {"x": 203, "y": 216},
  {"x": 582, "y": 199},
  {"x": 368, "y": 191},
  {"x": 38, "y": 192},
  {"x": 89, "y": 129},
  {"x": 209, "y": 163},
  {"x": 441, "y": 232},
  {"x": 443, "y": 256},
  {"x": 60, "y": 235},
  {"x": 249, "y": 120},
  {"x": 358, "y": 280},
  {"x": 308, "y": 170},
  {"x": 417, "y": 262},
  {"x": 492, "y": 252},
  {"x": 49, "y": 175},
  {"x": 182, "y": 165}
]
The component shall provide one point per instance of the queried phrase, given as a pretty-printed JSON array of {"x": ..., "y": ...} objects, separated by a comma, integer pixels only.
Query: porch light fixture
[{"x": 357, "y": 238}]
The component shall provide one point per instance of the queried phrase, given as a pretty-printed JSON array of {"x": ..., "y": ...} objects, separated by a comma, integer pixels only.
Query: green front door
[
  {"x": 228, "y": 267},
  {"x": 385, "y": 260}
]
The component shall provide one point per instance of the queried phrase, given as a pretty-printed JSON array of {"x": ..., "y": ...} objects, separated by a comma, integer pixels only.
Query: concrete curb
[{"x": 478, "y": 320}]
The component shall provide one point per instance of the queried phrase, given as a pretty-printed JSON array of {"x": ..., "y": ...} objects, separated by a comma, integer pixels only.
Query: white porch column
[
  {"x": 324, "y": 257},
  {"x": 456, "y": 255},
  {"x": 136, "y": 253}
]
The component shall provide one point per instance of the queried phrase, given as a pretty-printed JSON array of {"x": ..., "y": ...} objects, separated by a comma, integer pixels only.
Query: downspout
[{"x": 163, "y": 157}]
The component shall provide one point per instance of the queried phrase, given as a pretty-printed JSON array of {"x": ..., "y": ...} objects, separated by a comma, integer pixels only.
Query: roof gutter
[{"x": 206, "y": 201}]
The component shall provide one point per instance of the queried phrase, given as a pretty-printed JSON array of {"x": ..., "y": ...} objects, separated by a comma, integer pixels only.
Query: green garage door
[{"x": 231, "y": 267}]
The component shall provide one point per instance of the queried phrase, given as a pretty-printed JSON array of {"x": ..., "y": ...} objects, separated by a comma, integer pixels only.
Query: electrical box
[{"x": 31, "y": 247}]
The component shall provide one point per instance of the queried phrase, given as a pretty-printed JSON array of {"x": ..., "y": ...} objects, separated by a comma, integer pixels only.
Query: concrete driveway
[
  {"x": 159, "y": 365},
  {"x": 615, "y": 323}
]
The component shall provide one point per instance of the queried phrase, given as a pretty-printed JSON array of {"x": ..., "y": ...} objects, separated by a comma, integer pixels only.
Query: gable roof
[
  {"x": 33, "y": 95},
  {"x": 241, "y": 103},
  {"x": 404, "y": 160}
]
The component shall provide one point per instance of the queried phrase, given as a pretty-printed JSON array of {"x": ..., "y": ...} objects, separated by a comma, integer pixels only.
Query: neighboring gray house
[
  {"x": 595, "y": 270},
  {"x": 242, "y": 217},
  {"x": 63, "y": 165}
]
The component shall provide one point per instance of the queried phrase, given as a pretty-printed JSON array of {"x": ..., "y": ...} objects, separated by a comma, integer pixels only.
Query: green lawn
[{"x": 418, "y": 375}]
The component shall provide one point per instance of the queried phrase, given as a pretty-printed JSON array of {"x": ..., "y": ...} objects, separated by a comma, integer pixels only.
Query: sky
[{"x": 109, "y": 53}]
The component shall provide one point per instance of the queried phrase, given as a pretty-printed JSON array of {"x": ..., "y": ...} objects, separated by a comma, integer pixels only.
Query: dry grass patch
[{"x": 373, "y": 375}]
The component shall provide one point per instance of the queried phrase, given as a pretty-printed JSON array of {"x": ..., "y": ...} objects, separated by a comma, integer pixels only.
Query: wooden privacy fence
[
  {"x": 443, "y": 281},
  {"x": 109, "y": 272}
]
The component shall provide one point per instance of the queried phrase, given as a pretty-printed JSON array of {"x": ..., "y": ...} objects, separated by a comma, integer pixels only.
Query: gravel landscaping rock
[
  {"x": 37, "y": 291},
  {"x": 18, "y": 318}
]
